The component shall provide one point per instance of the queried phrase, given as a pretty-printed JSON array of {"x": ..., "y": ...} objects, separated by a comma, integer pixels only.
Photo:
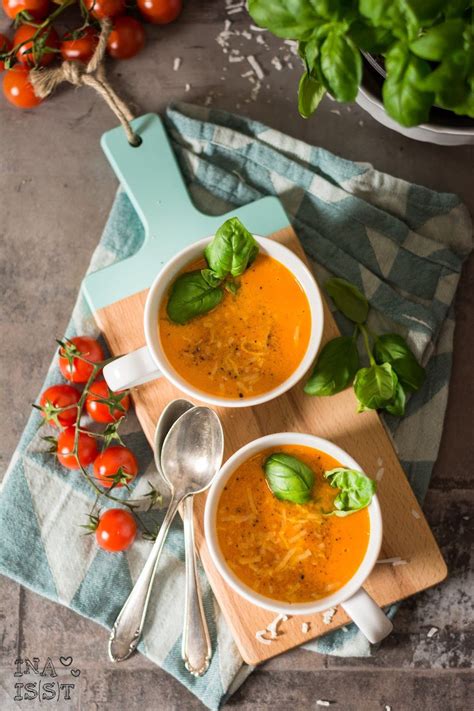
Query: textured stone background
[{"x": 56, "y": 191}]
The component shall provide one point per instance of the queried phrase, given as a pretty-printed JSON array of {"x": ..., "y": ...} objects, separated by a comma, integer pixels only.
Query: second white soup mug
[
  {"x": 356, "y": 602},
  {"x": 150, "y": 362}
]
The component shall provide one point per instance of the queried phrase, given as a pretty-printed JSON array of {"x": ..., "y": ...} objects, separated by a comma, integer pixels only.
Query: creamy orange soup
[
  {"x": 289, "y": 552},
  {"x": 251, "y": 342}
]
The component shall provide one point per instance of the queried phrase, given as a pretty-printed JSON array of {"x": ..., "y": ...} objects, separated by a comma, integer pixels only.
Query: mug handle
[
  {"x": 368, "y": 616},
  {"x": 135, "y": 368}
]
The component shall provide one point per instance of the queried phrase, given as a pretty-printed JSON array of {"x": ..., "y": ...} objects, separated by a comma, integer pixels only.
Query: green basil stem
[{"x": 365, "y": 334}]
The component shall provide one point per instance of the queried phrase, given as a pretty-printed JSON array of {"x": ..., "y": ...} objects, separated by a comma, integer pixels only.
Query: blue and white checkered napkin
[{"x": 402, "y": 244}]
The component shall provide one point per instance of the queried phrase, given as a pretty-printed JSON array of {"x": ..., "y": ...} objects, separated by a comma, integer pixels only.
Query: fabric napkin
[{"x": 402, "y": 244}]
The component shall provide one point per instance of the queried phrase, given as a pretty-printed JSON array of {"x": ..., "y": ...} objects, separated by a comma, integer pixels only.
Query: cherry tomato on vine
[
  {"x": 80, "y": 49},
  {"x": 58, "y": 396},
  {"x": 87, "y": 449},
  {"x": 116, "y": 530},
  {"x": 38, "y": 9},
  {"x": 105, "y": 8},
  {"x": 126, "y": 39},
  {"x": 27, "y": 53},
  {"x": 5, "y": 46},
  {"x": 18, "y": 90},
  {"x": 160, "y": 12},
  {"x": 78, "y": 371},
  {"x": 110, "y": 461},
  {"x": 100, "y": 411}
]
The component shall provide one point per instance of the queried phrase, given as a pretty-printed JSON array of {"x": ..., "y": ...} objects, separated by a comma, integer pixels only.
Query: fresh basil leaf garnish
[
  {"x": 397, "y": 405},
  {"x": 232, "y": 249},
  {"x": 375, "y": 386},
  {"x": 356, "y": 490},
  {"x": 289, "y": 478},
  {"x": 191, "y": 296},
  {"x": 335, "y": 368},
  {"x": 310, "y": 93},
  {"x": 210, "y": 278},
  {"x": 392, "y": 348},
  {"x": 348, "y": 299}
]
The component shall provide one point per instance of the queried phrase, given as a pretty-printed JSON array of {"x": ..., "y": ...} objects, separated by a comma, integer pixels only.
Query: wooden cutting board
[{"x": 153, "y": 183}]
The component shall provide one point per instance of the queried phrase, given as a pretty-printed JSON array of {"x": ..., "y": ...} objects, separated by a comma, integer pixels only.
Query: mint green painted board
[{"x": 152, "y": 179}]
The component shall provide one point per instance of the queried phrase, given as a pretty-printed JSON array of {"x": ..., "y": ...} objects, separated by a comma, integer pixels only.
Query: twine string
[{"x": 44, "y": 81}]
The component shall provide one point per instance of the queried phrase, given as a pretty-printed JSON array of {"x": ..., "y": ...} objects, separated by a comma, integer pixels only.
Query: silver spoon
[
  {"x": 191, "y": 456},
  {"x": 196, "y": 649}
]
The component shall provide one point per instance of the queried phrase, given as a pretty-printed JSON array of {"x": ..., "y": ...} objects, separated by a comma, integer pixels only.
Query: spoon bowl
[
  {"x": 168, "y": 417},
  {"x": 192, "y": 452}
]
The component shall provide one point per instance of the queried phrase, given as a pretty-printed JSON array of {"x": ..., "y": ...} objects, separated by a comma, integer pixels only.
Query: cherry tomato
[
  {"x": 100, "y": 411},
  {"x": 116, "y": 530},
  {"x": 18, "y": 89},
  {"x": 5, "y": 46},
  {"x": 38, "y": 9},
  {"x": 160, "y": 12},
  {"x": 87, "y": 449},
  {"x": 60, "y": 396},
  {"x": 107, "y": 466},
  {"x": 79, "y": 371},
  {"x": 30, "y": 58},
  {"x": 80, "y": 49},
  {"x": 126, "y": 39},
  {"x": 105, "y": 8}
]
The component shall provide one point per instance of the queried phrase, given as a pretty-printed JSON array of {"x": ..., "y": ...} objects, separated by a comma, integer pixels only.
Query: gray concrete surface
[{"x": 56, "y": 190}]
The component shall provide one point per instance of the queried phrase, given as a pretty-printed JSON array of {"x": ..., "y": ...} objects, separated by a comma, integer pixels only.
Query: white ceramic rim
[
  {"x": 157, "y": 291},
  {"x": 336, "y": 598}
]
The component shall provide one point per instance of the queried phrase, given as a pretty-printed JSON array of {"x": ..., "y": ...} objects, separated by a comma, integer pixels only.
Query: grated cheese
[
  {"x": 260, "y": 635},
  {"x": 415, "y": 514},
  {"x": 432, "y": 631},
  {"x": 272, "y": 628},
  {"x": 323, "y": 702},
  {"x": 305, "y": 627},
  {"x": 328, "y": 615},
  {"x": 176, "y": 63},
  {"x": 255, "y": 66}
]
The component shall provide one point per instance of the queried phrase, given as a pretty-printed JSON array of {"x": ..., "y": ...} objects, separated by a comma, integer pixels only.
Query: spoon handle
[
  {"x": 128, "y": 626},
  {"x": 196, "y": 648}
]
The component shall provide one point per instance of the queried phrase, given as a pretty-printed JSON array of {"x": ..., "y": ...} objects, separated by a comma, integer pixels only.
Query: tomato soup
[
  {"x": 251, "y": 342},
  {"x": 285, "y": 551}
]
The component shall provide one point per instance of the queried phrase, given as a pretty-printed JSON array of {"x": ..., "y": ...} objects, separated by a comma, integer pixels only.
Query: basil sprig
[
  {"x": 356, "y": 490},
  {"x": 393, "y": 370},
  {"x": 427, "y": 48},
  {"x": 289, "y": 478},
  {"x": 228, "y": 255},
  {"x": 232, "y": 250}
]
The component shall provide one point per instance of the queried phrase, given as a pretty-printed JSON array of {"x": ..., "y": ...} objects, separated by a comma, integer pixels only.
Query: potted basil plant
[{"x": 410, "y": 63}]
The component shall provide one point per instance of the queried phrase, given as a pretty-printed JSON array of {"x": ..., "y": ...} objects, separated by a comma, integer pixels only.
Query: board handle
[
  {"x": 150, "y": 175},
  {"x": 368, "y": 616}
]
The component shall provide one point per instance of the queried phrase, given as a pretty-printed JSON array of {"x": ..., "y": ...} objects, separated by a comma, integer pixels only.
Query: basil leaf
[
  {"x": 289, "y": 478},
  {"x": 402, "y": 98},
  {"x": 310, "y": 93},
  {"x": 341, "y": 65},
  {"x": 335, "y": 368},
  {"x": 439, "y": 41},
  {"x": 378, "y": 11},
  {"x": 210, "y": 278},
  {"x": 290, "y": 19},
  {"x": 397, "y": 405},
  {"x": 356, "y": 490},
  {"x": 232, "y": 249},
  {"x": 337, "y": 10},
  {"x": 348, "y": 299},
  {"x": 392, "y": 348},
  {"x": 191, "y": 296},
  {"x": 375, "y": 386},
  {"x": 370, "y": 38}
]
